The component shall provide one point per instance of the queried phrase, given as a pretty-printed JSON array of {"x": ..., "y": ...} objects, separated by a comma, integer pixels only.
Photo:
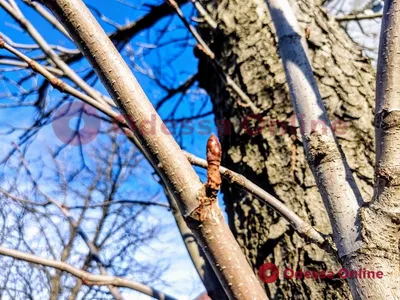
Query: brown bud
[
  {"x": 213, "y": 148},
  {"x": 214, "y": 154}
]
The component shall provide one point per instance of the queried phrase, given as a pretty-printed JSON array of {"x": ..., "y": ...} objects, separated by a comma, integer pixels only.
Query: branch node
[{"x": 207, "y": 209}]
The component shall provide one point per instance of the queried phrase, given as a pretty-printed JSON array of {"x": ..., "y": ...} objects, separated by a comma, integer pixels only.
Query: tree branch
[
  {"x": 341, "y": 195},
  {"x": 380, "y": 218},
  {"x": 358, "y": 17},
  {"x": 108, "y": 203},
  {"x": 203, "y": 13},
  {"x": 87, "y": 278},
  {"x": 201, "y": 264},
  {"x": 303, "y": 228},
  {"x": 214, "y": 236},
  {"x": 59, "y": 84}
]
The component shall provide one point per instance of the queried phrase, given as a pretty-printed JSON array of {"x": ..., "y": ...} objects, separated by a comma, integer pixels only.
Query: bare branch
[
  {"x": 201, "y": 264},
  {"x": 387, "y": 91},
  {"x": 303, "y": 228},
  {"x": 203, "y": 12},
  {"x": 341, "y": 196},
  {"x": 108, "y": 203},
  {"x": 125, "y": 33},
  {"x": 22, "y": 200},
  {"x": 214, "y": 236},
  {"x": 358, "y": 17},
  {"x": 36, "y": 46},
  {"x": 182, "y": 88},
  {"x": 87, "y": 278},
  {"x": 380, "y": 217}
]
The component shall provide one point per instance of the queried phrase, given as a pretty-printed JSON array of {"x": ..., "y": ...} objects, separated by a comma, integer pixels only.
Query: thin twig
[
  {"x": 203, "y": 12},
  {"x": 302, "y": 227},
  {"x": 19, "y": 199},
  {"x": 36, "y": 46},
  {"x": 358, "y": 17},
  {"x": 108, "y": 203},
  {"x": 23, "y": 65}
]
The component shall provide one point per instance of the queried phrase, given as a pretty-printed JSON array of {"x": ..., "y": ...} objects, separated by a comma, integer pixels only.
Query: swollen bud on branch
[
  {"x": 207, "y": 209},
  {"x": 214, "y": 154}
]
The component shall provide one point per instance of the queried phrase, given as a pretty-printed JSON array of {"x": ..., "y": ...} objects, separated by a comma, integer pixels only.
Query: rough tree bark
[{"x": 272, "y": 154}]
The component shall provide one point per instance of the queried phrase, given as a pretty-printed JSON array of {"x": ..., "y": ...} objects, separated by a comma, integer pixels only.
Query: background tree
[{"x": 88, "y": 221}]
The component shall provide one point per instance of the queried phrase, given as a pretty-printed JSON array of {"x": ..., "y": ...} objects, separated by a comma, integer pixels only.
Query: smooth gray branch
[{"x": 341, "y": 196}]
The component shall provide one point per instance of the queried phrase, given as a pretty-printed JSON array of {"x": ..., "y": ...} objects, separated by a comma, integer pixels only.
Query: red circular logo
[
  {"x": 268, "y": 273},
  {"x": 78, "y": 136}
]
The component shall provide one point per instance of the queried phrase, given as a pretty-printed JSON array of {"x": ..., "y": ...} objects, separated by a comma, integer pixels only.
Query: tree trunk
[{"x": 267, "y": 147}]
